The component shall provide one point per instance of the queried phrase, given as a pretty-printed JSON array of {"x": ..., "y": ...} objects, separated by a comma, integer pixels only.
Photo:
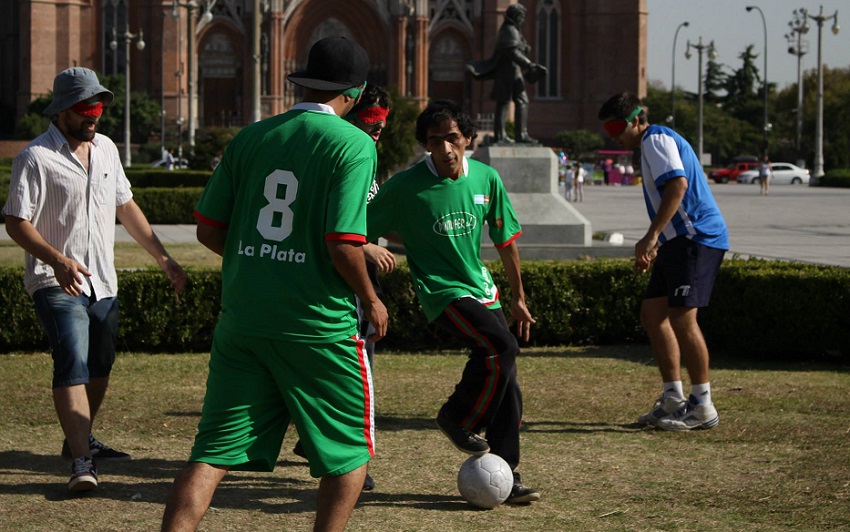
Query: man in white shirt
[{"x": 67, "y": 188}]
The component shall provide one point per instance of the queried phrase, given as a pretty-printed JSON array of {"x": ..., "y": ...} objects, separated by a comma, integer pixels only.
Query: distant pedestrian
[
  {"x": 686, "y": 240},
  {"x": 764, "y": 176},
  {"x": 578, "y": 181},
  {"x": 169, "y": 159}
]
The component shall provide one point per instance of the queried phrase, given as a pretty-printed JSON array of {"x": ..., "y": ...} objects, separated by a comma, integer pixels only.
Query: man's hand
[
  {"x": 174, "y": 272},
  {"x": 380, "y": 257},
  {"x": 69, "y": 273},
  {"x": 646, "y": 250},
  {"x": 520, "y": 314},
  {"x": 376, "y": 314}
]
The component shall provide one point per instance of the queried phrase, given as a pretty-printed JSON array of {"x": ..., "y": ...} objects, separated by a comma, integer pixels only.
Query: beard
[{"x": 82, "y": 134}]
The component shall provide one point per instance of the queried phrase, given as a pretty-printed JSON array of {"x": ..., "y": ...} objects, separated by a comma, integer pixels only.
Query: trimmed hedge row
[
  {"x": 772, "y": 309},
  {"x": 838, "y": 177}
]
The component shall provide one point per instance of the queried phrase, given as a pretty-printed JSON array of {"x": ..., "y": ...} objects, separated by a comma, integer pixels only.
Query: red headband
[
  {"x": 373, "y": 115},
  {"x": 90, "y": 110}
]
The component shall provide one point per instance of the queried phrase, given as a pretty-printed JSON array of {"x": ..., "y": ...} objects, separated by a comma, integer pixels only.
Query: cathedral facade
[{"x": 224, "y": 62}]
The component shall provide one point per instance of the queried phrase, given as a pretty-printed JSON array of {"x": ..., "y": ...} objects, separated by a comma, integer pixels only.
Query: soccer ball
[{"x": 485, "y": 481}]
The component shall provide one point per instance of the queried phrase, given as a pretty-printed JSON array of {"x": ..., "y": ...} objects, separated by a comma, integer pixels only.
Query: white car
[
  {"x": 182, "y": 164},
  {"x": 780, "y": 174}
]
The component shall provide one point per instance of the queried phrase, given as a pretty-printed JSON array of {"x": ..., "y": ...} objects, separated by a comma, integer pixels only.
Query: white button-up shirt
[{"x": 72, "y": 210}]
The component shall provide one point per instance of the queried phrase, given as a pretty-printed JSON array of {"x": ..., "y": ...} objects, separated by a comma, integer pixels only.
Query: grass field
[
  {"x": 129, "y": 255},
  {"x": 779, "y": 460}
]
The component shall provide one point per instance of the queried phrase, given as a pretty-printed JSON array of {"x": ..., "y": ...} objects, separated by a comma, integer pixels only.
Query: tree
[
  {"x": 398, "y": 140},
  {"x": 715, "y": 81},
  {"x": 579, "y": 143},
  {"x": 742, "y": 84}
]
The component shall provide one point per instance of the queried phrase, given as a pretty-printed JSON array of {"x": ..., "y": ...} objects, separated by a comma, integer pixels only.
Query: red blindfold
[
  {"x": 615, "y": 128},
  {"x": 373, "y": 115},
  {"x": 90, "y": 110}
]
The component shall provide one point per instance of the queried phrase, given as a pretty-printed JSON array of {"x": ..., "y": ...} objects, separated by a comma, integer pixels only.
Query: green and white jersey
[
  {"x": 440, "y": 221},
  {"x": 284, "y": 187}
]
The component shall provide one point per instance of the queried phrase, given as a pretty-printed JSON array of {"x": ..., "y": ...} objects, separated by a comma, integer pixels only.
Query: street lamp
[
  {"x": 672, "y": 119},
  {"x": 140, "y": 45},
  {"x": 767, "y": 126},
  {"x": 712, "y": 55},
  {"x": 191, "y": 6},
  {"x": 799, "y": 25},
  {"x": 820, "y": 19}
]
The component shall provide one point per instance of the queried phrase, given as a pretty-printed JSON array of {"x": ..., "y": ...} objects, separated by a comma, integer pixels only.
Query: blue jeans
[{"x": 82, "y": 334}]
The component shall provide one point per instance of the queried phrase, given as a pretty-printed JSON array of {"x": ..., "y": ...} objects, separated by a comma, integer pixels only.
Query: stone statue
[{"x": 510, "y": 68}]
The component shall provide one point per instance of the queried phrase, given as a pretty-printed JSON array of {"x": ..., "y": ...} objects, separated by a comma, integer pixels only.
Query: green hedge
[
  {"x": 168, "y": 205},
  {"x": 160, "y": 178},
  {"x": 773, "y": 309},
  {"x": 165, "y": 197},
  {"x": 837, "y": 177}
]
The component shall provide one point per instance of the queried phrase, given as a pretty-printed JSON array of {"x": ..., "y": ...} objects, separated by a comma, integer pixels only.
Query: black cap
[{"x": 334, "y": 63}]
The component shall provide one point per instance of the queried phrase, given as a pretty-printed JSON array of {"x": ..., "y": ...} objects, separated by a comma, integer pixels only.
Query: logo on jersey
[
  {"x": 481, "y": 199},
  {"x": 456, "y": 224}
]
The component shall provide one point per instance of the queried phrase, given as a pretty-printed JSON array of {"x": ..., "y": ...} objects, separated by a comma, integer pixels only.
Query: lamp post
[
  {"x": 767, "y": 126},
  {"x": 820, "y": 19},
  {"x": 192, "y": 6},
  {"x": 712, "y": 54},
  {"x": 140, "y": 45},
  {"x": 672, "y": 119},
  {"x": 799, "y": 25},
  {"x": 162, "y": 92}
]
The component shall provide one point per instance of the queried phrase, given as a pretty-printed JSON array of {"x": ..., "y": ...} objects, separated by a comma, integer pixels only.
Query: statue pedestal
[{"x": 551, "y": 227}]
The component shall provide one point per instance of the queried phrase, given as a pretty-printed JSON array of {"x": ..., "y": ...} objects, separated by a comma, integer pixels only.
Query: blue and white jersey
[{"x": 666, "y": 155}]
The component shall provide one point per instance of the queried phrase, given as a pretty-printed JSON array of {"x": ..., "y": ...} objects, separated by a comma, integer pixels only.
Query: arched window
[
  {"x": 549, "y": 47},
  {"x": 114, "y": 17}
]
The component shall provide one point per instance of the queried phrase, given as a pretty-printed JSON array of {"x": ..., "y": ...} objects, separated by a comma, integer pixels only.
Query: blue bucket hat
[{"x": 73, "y": 86}]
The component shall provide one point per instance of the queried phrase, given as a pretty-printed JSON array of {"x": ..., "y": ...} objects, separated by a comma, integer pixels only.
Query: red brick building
[{"x": 202, "y": 57}]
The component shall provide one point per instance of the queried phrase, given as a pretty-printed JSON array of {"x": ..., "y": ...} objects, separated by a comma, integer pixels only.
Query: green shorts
[{"x": 256, "y": 386}]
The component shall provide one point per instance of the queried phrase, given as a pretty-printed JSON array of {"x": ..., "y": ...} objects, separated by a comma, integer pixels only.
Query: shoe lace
[
  {"x": 83, "y": 465},
  {"x": 94, "y": 443}
]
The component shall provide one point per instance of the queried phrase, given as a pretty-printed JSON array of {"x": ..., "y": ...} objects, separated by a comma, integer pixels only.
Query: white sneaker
[
  {"x": 663, "y": 407},
  {"x": 692, "y": 416}
]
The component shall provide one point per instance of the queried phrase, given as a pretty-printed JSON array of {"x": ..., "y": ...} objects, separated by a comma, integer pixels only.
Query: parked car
[
  {"x": 731, "y": 172},
  {"x": 182, "y": 164},
  {"x": 780, "y": 174}
]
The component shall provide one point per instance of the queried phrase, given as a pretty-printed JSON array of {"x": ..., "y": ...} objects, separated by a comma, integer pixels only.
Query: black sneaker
[
  {"x": 298, "y": 450},
  {"x": 465, "y": 440},
  {"x": 83, "y": 475},
  {"x": 521, "y": 494},
  {"x": 368, "y": 483},
  {"x": 103, "y": 453}
]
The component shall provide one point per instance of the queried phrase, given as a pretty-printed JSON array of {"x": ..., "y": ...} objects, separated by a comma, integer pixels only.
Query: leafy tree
[
  {"x": 210, "y": 143},
  {"x": 741, "y": 85},
  {"x": 579, "y": 143},
  {"x": 398, "y": 140},
  {"x": 34, "y": 123},
  {"x": 715, "y": 81}
]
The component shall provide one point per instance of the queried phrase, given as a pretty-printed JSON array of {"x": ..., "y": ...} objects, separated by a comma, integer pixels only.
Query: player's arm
[
  {"x": 212, "y": 236},
  {"x": 349, "y": 261},
  {"x": 647, "y": 247},
  {"x": 67, "y": 271},
  {"x": 136, "y": 224},
  {"x": 509, "y": 254}
]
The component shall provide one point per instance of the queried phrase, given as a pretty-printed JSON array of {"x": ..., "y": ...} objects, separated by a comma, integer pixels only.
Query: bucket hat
[
  {"x": 73, "y": 86},
  {"x": 334, "y": 63}
]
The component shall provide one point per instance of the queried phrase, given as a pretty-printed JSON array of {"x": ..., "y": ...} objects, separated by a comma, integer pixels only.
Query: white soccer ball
[{"x": 485, "y": 481}]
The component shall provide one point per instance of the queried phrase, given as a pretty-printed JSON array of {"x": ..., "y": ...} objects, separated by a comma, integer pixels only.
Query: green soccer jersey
[
  {"x": 284, "y": 187},
  {"x": 440, "y": 221}
]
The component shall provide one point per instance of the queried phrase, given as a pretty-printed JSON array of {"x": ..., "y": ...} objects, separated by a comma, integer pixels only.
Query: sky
[{"x": 733, "y": 28}]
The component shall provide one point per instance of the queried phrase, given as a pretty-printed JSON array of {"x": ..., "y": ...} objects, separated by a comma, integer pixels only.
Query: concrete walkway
[{"x": 793, "y": 223}]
